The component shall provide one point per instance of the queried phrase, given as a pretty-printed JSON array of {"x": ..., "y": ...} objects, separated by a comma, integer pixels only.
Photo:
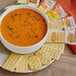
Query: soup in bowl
[{"x": 24, "y": 29}]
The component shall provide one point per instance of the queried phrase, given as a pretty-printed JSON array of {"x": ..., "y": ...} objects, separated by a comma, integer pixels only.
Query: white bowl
[{"x": 23, "y": 50}]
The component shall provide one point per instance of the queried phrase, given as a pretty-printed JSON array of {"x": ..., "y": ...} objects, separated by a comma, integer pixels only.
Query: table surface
[{"x": 66, "y": 66}]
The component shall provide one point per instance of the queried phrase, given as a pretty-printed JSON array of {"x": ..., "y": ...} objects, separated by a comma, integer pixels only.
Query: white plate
[{"x": 3, "y": 58}]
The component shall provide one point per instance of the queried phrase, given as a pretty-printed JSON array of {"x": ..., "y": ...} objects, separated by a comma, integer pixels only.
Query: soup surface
[{"x": 23, "y": 27}]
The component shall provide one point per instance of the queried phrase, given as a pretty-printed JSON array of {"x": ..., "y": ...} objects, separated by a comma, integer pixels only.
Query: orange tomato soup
[{"x": 23, "y": 27}]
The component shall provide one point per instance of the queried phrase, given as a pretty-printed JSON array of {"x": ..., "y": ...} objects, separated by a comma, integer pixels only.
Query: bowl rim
[{"x": 35, "y": 9}]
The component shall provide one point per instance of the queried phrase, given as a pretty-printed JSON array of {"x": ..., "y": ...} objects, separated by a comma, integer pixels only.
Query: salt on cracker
[
  {"x": 12, "y": 62},
  {"x": 55, "y": 50},
  {"x": 56, "y": 36},
  {"x": 34, "y": 63},
  {"x": 23, "y": 64},
  {"x": 44, "y": 57}
]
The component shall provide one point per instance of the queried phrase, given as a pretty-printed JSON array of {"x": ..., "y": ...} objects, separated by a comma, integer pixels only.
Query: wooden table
[{"x": 66, "y": 66}]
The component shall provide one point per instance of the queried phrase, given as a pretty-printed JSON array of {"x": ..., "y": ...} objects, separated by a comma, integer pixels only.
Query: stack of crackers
[
  {"x": 22, "y": 63},
  {"x": 57, "y": 32}
]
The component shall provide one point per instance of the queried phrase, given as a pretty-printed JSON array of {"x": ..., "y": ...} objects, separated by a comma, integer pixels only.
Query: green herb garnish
[
  {"x": 10, "y": 28},
  {"x": 15, "y": 14},
  {"x": 19, "y": 14},
  {"x": 36, "y": 36},
  {"x": 28, "y": 13},
  {"x": 7, "y": 26},
  {"x": 35, "y": 17},
  {"x": 10, "y": 35},
  {"x": 13, "y": 19},
  {"x": 11, "y": 16},
  {"x": 12, "y": 31},
  {"x": 24, "y": 20}
]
